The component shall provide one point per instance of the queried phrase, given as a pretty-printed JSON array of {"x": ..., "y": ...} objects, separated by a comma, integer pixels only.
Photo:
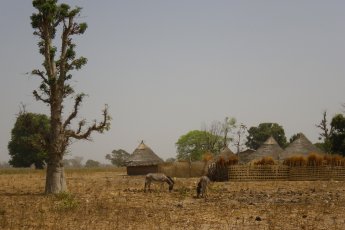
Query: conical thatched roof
[
  {"x": 270, "y": 148},
  {"x": 143, "y": 156},
  {"x": 225, "y": 153},
  {"x": 300, "y": 146},
  {"x": 245, "y": 156}
]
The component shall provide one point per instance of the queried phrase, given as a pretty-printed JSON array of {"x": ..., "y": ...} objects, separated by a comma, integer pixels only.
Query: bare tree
[
  {"x": 239, "y": 137},
  {"x": 50, "y": 20},
  {"x": 326, "y": 132}
]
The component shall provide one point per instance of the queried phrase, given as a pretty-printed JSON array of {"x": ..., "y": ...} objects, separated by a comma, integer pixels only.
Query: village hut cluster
[{"x": 143, "y": 160}]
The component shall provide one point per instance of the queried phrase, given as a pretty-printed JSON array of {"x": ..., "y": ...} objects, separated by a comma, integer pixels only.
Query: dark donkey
[
  {"x": 201, "y": 189},
  {"x": 160, "y": 178}
]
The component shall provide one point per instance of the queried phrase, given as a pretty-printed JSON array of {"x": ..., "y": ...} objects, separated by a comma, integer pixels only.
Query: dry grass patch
[{"x": 106, "y": 199}]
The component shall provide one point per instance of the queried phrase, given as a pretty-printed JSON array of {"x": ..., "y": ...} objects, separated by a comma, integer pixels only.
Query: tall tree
[
  {"x": 240, "y": 137},
  {"x": 258, "y": 135},
  {"x": 55, "y": 24},
  {"x": 28, "y": 142},
  {"x": 228, "y": 125},
  {"x": 194, "y": 144}
]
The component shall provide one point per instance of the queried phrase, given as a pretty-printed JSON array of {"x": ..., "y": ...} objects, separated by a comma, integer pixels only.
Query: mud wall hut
[{"x": 142, "y": 161}]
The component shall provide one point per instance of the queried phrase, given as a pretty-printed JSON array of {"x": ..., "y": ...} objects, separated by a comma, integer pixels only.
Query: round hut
[
  {"x": 300, "y": 146},
  {"x": 245, "y": 156},
  {"x": 142, "y": 161},
  {"x": 270, "y": 148},
  {"x": 218, "y": 169}
]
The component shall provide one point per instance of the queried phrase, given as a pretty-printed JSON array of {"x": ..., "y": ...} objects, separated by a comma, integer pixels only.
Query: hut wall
[
  {"x": 141, "y": 170},
  {"x": 184, "y": 169}
]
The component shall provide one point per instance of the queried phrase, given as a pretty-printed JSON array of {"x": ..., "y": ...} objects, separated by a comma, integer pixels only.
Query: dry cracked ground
[{"x": 108, "y": 199}]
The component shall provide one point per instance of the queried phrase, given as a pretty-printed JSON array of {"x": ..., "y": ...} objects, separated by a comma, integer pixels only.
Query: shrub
[{"x": 65, "y": 201}]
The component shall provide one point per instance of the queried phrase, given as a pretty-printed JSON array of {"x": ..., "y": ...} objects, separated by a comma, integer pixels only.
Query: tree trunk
[{"x": 55, "y": 178}]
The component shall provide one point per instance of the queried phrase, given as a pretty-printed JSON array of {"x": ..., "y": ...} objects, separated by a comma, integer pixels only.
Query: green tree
[
  {"x": 195, "y": 143},
  {"x": 28, "y": 144},
  {"x": 118, "y": 157},
  {"x": 337, "y": 137},
  {"x": 258, "y": 135},
  {"x": 55, "y": 25},
  {"x": 92, "y": 164}
]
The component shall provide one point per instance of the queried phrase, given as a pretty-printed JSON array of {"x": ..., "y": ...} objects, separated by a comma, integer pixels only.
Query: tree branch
[
  {"x": 40, "y": 98},
  {"x": 100, "y": 127},
  {"x": 77, "y": 102},
  {"x": 40, "y": 73}
]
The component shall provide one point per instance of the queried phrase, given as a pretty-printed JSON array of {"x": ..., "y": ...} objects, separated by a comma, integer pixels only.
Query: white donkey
[
  {"x": 160, "y": 178},
  {"x": 201, "y": 189}
]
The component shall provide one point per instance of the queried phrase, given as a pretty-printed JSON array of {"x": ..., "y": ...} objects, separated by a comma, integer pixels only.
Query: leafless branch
[
  {"x": 40, "y": 73},
  {"x": 100, "y": 127},
  {"x": 77, "y": 102},
  {"x": 40, "y": 98}
]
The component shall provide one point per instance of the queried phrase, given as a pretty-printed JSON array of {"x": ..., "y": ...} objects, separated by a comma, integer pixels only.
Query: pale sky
[{"x": 168, "y": 67}]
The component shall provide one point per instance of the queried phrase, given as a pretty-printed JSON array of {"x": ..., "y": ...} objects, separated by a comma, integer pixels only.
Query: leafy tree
[
  {"x": 55, "y": 25},
  {"x": 258, "y": 135},
  {"x": 195, "y": 143},
  {"x": 28, "y": 144},
  {"x": 92, "y": 164},
  {"x": 118, "y": 157},
  {"x": 337, "y": 137}
]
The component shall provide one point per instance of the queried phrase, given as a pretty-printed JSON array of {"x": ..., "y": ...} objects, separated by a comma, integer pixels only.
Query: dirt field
[{"x": 109, "y": 199}]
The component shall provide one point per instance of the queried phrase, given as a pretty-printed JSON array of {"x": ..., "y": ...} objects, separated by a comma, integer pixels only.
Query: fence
[
  {"x": 183, "y": 169},
  {"x": 282, "y": 172}
]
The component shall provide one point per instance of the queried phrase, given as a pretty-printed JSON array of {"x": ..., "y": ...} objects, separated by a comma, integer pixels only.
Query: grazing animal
[
  {"x": 201, "y": 189},
  {"x": 160, "y": 178}
]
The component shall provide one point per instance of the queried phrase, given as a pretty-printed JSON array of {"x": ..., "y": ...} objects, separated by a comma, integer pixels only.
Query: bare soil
[{"x": 109, "y": 199}]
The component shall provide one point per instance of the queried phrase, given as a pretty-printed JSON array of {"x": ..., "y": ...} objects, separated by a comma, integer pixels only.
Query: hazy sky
[{"x": 168, "y": 67}]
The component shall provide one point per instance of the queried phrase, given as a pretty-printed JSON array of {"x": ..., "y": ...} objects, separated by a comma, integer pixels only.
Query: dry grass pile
[
  {"x": 265, "y": 161},
  {"x": 314, "y": 159},
  {"x": 227, "y": 161}
]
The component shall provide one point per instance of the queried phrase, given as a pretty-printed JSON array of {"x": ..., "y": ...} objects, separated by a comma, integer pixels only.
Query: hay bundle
[
  {"x": 314, "y": 159},
  {"x": 295, "y": 160},
  {"x": 334, "y": 160},
  {"x": 265, "y": 161}
]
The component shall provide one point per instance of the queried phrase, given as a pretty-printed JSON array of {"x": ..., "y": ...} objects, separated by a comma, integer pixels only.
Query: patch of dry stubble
[{"x": 111, "y": 200}]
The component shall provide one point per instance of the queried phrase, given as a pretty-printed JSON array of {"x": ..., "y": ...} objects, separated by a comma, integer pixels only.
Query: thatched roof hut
[
  {"x": 225, "y": 154},
  {"x": 245, "y": 156},
  {"x": 270, "y": 148},
  {"x": 300, "y": 146},
  {"x": 218, "y": 169},
  {"x": 142, "y": 161}
]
